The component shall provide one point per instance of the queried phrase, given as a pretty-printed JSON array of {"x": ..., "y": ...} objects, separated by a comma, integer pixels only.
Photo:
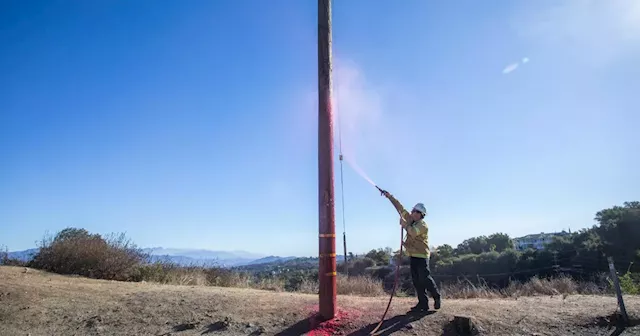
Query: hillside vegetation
[
  {"x": 512, "y": 292},
  {"x": 485, "y": 266}
]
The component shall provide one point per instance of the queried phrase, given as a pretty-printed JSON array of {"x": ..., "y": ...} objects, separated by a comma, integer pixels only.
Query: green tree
[
  {"x": 359, "y": 266},
  {"x": 72, "y": 233},
  {"x": 445, "y": 251},
  {"x": 380, "y": 256},
  {"x": 501, "y": 241},
  {"x": 619, "y": 230},
  {"x": 475, "y": 245}
]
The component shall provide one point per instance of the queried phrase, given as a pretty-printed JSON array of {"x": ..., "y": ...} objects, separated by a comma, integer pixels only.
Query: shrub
[
  {"x": 630, "y": 283},
  {"x": 75, "y": 251},
  {"x": 358, "y": 266}
]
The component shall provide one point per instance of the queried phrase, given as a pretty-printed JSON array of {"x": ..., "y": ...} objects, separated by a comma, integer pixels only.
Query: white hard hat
[{"x": 420, "y": 207}]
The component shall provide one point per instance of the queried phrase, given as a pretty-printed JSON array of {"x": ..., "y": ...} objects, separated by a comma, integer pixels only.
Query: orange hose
[{"x": 395, "y": 284}]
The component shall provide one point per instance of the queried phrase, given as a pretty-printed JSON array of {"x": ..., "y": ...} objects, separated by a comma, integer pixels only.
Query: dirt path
[{"x": 37, "y": 303}]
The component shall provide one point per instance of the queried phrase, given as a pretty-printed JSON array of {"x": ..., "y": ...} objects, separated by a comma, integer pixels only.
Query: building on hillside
[{"x": 536, "y": 241}]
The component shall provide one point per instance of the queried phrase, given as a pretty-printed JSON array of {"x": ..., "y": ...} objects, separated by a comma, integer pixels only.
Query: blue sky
[{"x": 192, "y": 124}]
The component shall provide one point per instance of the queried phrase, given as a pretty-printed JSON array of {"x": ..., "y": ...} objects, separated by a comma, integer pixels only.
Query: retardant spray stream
[{"x": 358, "y": 170}]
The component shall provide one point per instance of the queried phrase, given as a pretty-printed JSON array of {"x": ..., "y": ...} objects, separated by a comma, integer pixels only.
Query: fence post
[{"x": 616, "y": 284}]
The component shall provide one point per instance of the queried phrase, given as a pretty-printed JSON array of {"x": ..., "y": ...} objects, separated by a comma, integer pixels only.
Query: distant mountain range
[
  {"x": 25, "y": 255},
  {"x": 189, "y": 257},
  {"x": 211, "y": 258}
]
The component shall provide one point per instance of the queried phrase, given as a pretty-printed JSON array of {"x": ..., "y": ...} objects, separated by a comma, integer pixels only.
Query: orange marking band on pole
[
  {"x": 327, "y": 235},
  {"x": 331, "y": 255}
]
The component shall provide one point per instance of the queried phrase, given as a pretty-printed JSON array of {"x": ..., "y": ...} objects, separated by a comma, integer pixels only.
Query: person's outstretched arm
[{"x": 404, "y": 214}]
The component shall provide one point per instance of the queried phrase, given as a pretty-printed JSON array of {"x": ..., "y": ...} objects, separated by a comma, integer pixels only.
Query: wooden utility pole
[
  {"x": 616, "y": 284},
  {"x": 327, "y": 239}
]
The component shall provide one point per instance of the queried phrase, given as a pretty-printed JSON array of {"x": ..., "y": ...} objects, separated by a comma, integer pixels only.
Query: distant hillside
[
  {"x": 203, "y": 254},
  {"x": 270, "y": 259},
  {"x": 188, "y": 257},
  {"x": 207, "y": 258},
  {"x": 25, "y": 255},
  {"x": 186, "y": 261},
  {"x": 202, "y": 257},
  {"x": 280, "y": 264}
]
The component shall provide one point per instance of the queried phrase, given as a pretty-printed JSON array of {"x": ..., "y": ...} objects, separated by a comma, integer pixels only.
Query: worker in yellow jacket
[{"x": 417, "y": 248}]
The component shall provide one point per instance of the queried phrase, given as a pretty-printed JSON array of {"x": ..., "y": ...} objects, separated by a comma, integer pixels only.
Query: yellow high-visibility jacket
[{"x": 417, "y": 241}]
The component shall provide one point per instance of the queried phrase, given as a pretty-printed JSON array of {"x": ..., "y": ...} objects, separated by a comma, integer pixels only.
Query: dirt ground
[{"x": 38, "y": 303}]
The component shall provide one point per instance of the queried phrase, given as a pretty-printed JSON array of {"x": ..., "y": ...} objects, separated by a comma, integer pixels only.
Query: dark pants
[{"x": 422, "y": 280}]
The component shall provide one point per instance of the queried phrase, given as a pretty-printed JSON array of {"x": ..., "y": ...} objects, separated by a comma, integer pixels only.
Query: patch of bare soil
[{"x": 39, "y": 303}]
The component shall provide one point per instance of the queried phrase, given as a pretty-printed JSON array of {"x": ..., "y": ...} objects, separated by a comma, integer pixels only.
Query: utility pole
[
  {"x": 327, "y": 238},
  {"x": 616, "y": 284}
]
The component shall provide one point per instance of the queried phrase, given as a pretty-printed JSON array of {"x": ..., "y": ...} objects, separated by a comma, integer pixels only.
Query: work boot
[
  {"x": 436, "y": 303},
  {"x": 420, "y": 307}
]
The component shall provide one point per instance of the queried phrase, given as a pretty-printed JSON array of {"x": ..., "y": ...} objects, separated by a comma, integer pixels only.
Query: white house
[{"x": 536, "y": 241}]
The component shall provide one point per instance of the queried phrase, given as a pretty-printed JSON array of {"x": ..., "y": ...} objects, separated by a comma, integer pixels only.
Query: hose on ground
[{"x": 395, "y": 284}]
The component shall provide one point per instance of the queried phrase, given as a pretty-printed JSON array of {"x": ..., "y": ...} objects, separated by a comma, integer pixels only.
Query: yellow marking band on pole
[
  {"x": 331, "y": 274},
  {"x": 322, "y": 255},
  {"x": 327, "y": 235}
]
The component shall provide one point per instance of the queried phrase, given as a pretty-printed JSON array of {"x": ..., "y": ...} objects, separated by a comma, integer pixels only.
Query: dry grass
[
  {"x": 39, "y": 303},
  {"x": 464, "y": 289},
  {"x": 270, "y": 284},
  {"x": 362, "y": 285},
  {"x": 354, "y": 285},
  {"x": 309, "y": 287},
  {"x": 171, "y": 274},
  {"x": 75, "y": 251},
  {"x": 562, "y": 285}
]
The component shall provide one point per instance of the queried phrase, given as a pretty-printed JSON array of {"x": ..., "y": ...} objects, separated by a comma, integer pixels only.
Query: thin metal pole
[{"x": 327, "y": 226}]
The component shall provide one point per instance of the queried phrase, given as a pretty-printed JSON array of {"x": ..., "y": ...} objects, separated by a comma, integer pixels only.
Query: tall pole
[{"x": 327, "y": 239}]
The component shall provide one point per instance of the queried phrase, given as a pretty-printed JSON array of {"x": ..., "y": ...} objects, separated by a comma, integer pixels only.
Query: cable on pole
[{"x": 344, "y": 223}]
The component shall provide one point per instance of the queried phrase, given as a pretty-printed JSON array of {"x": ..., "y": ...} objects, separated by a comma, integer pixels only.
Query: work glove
[{"x": 384, "y": 192}]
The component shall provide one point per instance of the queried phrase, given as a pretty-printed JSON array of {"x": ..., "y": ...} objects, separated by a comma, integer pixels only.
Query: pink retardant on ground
[{"x": 334, "y": 326}]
